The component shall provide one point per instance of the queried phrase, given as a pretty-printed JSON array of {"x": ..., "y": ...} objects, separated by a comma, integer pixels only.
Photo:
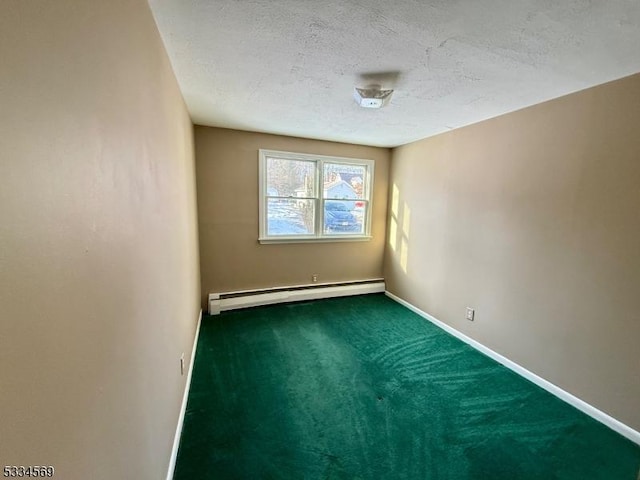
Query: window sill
[{"x": 359, "y": 238}]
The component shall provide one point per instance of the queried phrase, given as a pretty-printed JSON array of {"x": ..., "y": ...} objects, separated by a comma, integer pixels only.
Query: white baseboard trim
[
  {"x": 581, "y": 405},
  {"x": 183, "y": 407},
  {"x": 234, "y": 300}
]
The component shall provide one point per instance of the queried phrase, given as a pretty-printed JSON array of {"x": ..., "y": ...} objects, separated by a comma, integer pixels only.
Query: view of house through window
[{"x": 314, "y": 197}]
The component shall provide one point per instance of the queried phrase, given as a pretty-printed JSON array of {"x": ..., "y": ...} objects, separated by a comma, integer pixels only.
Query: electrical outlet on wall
[
  {"x": 470, "y": 314},
  {"x": 314, "y": 277},
  {"x": 182, "y": 364}
]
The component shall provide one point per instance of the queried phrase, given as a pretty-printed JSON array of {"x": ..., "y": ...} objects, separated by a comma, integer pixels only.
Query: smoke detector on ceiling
[{"x": 372, "y": 96}]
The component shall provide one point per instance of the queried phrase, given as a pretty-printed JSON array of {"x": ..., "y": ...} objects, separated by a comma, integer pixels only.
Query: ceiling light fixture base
[{"x": 372, "y": 96}]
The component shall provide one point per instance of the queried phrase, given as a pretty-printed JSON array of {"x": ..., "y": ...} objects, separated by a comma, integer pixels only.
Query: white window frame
[{"x": 319, "y": 199}]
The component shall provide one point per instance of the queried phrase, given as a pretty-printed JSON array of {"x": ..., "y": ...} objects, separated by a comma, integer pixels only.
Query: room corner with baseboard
[
  {"x": 183, "y": 406},
  {"x": 612, "y": 423}
]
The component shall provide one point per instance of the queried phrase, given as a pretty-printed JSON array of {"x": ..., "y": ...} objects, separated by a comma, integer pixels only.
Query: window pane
[
  {"x": 290, "y": 178},
  {"x": 342, "y": 180},
  {"x": 290, "y": 217},
  {"x": 344, "y": 217}
]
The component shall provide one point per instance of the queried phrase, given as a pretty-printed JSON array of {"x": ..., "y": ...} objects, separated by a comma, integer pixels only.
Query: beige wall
[
  {"x": 533, "y": 218},
  {"x": 99, "y": 282},
  {"x": 231, "y": 257}
]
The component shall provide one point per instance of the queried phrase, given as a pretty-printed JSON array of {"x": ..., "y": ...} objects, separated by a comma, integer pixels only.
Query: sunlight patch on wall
[
  {"x": 395, "y": 200},
  {"x": 399, "y": 237},
  {"x": 393, "y": 233}
]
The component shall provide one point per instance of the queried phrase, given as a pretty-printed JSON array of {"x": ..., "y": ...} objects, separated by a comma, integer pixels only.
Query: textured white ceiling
[{"x": 289, "y": 66}]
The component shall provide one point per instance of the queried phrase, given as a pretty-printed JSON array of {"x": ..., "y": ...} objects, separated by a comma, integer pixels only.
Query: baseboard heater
[{"x": 219, "y": 302}]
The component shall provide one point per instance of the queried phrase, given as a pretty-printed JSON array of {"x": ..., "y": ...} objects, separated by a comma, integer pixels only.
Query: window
[{"x": 314, "y": 198}]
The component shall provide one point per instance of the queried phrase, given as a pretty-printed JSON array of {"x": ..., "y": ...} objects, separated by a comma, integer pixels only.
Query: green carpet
[{"x": 362, "y": 388}]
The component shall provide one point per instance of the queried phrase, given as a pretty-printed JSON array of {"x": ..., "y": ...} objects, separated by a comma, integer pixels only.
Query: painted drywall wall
[
  {"x": 231, "y": 257},
  {"x": 99, "y": 280},
  {"x": 533, "y": 219}
]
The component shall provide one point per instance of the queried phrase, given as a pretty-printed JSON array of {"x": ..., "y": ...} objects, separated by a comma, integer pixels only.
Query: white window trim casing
[{"x": 319, "y": 160}]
